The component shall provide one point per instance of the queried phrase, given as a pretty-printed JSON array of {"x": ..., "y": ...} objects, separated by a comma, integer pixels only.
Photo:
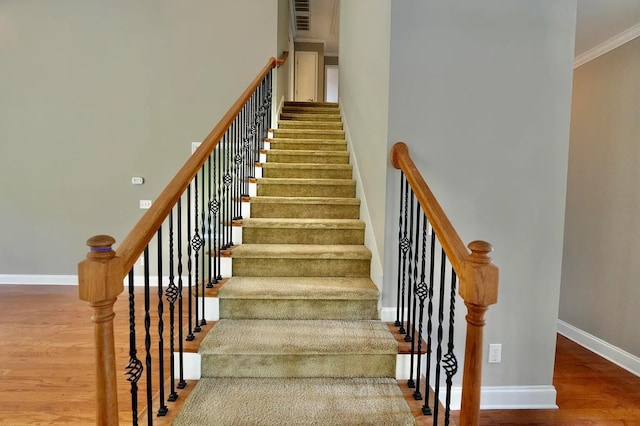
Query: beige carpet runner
[{"x": 299, "y": 341}]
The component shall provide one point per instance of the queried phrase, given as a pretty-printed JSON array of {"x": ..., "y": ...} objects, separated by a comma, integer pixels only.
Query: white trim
[
  {"x": 369, "y": 238},
  {"x": 192, "y": 365},
  {"x": 607, "y": 46},
  {"x": 510, "y": 397},
  {"x": 27, "y": 279},
  {"x": 310, "y": 40},
  {"x": 619, "y": 357}
]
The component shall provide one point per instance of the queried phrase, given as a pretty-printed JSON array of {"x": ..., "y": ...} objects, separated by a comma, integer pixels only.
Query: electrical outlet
[
  {"x": 495, "y": 353},
  {"x": 145, "y": 204}
]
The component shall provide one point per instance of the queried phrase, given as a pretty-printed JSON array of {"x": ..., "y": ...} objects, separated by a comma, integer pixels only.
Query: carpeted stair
[{"x": 299, "y": 341}]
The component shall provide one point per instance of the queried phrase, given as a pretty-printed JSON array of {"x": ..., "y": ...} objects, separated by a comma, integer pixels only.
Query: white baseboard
[
  {"x": 510, "y": 397},
  {"x": 28, "y": 279},
  {"x": 192, "y": 365},
  {"x": 619, "y": 357}
]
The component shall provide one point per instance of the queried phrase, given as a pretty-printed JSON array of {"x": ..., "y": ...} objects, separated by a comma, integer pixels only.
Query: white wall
[
  {"x": 480, "y": 92},
  {"x": 95, "y": 92},
  {"x": 364, "y": 95}
]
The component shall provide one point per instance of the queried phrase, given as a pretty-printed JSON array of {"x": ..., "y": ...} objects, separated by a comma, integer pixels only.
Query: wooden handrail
[
  {"x": 282, "y": 59},
  {"x": 451, "y": 243},
  {"x": 478, "y": 281},
  {"x": 134, "y": 243}
]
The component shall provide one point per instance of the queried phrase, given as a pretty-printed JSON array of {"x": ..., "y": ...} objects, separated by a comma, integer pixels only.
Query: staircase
[{"x": 299, "y": 341}]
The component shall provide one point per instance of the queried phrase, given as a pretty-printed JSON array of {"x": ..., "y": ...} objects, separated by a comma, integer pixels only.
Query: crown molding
[{"x": 607, "y": 46}]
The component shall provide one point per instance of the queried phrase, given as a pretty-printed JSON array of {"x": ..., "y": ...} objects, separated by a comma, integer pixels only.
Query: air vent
[
  {"x": 302, "y": 14},
  {"x": 302, "y": 23},
  {"x": 301, "y": 6}
]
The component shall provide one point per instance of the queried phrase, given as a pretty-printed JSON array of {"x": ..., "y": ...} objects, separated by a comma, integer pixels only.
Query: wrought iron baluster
[
  {"x": 405, "y": 243},
  {"x": 196, "y": 245},
  {"x": 210, "y": 231},
  {"x": 227, "y": 179},
  {"x": 172, "y": 295},
  {"x": 436, "y": 389},
  {"x": 203, "y": 321},
  {"x": 218, "y": 237},
  {"x": 163, "y": 409},
  {"x": 147, "y": 336},
  {"x": 237, "y": 174},
  {"x": 190, "y": 335},
  {"x": 410, "y": 280},
  {"x": 422, "y": 291},
  {"x": 450, "y": 362},
  {"x": 425, "y": 408},
  {"x": 413, "y": 282},
  {"x": 181, "y": 382},
  {"x": 134, "y": 366},
  {"x": 398, "y": 322}
]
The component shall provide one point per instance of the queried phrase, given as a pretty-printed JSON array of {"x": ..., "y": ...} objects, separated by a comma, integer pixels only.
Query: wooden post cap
[
  {"x": 100, "y": 274},
  {"x": 480, "y": 251},
  {"x": 479, "y": 278},
  {"x": 101, "y": 247}
]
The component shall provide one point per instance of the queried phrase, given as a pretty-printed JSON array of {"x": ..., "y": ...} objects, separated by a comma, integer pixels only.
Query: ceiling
[{"x": 597, "y": 22}]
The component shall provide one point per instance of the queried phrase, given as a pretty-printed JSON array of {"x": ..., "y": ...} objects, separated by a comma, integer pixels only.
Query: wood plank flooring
[{"x": 47, "y": 358}]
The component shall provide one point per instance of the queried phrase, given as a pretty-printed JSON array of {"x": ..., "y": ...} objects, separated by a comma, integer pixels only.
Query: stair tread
[
  {"x": 303, "y": 223},
  {"x": 307, "y": 401},
  {"x": 336, "y": 288},
  {"x": 319, "y": 166},
  {"x": 309, "y": 140},
  {"x": 308, "y": 152},
  {"x": 302, "y": 251},
  {"x": 261, "y": 199},
  {"x": 291, "y": 337},
  {"x": 305, "y": 181}
]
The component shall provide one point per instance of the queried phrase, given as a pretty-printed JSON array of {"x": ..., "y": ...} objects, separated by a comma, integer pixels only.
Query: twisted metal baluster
[
  {"x": 190, "y": 335},
  {"x": 181, "y": 383},
  {"x": 450, "y": 362},
  {"x": 426, "y": 410},
  {"x": 212, "y": 279},
  {"x": 436, "y": 390},
  {"x": 405, "y": 243},
  {"x": 147, "y": 335},
  {"x": 215, "y": 207},
  {"x": 134, "y": 366},
  {"x": 411, "y": 281},
  {"x": 422, "y": 291},
  {"x": 227, "y": 180},
  {"x": 196, "y": 245},
  {"x": 162, "y": 411},
  {"x": 203, "y": 321},
  {"x": 398, "y": 322},
  {"x": 172, "y": 295},
  {"x": 413, "y": 272}
]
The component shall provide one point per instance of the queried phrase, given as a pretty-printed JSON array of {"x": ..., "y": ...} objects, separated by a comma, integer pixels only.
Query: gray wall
[
  {"x": 93, "y": 93},
  {"x": 600, "y": 293},
  {"x": 480, "y": 91},
  {"x": 364, "y": 51},
  {"x": 315, "y": 47}
]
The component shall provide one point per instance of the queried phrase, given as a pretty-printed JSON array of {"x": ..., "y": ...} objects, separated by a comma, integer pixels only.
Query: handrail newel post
[
  {"x": 100, "y": 279},
  {"x": 478, "y": 289}
]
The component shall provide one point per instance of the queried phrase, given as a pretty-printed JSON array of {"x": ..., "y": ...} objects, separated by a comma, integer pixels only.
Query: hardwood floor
[{"x": 46, "y": 369}]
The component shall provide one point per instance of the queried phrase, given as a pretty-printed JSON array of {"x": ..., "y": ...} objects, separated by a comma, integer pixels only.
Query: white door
[
  {"x": 306, "y": 78},
  {"x": 331, "y": 83}
]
